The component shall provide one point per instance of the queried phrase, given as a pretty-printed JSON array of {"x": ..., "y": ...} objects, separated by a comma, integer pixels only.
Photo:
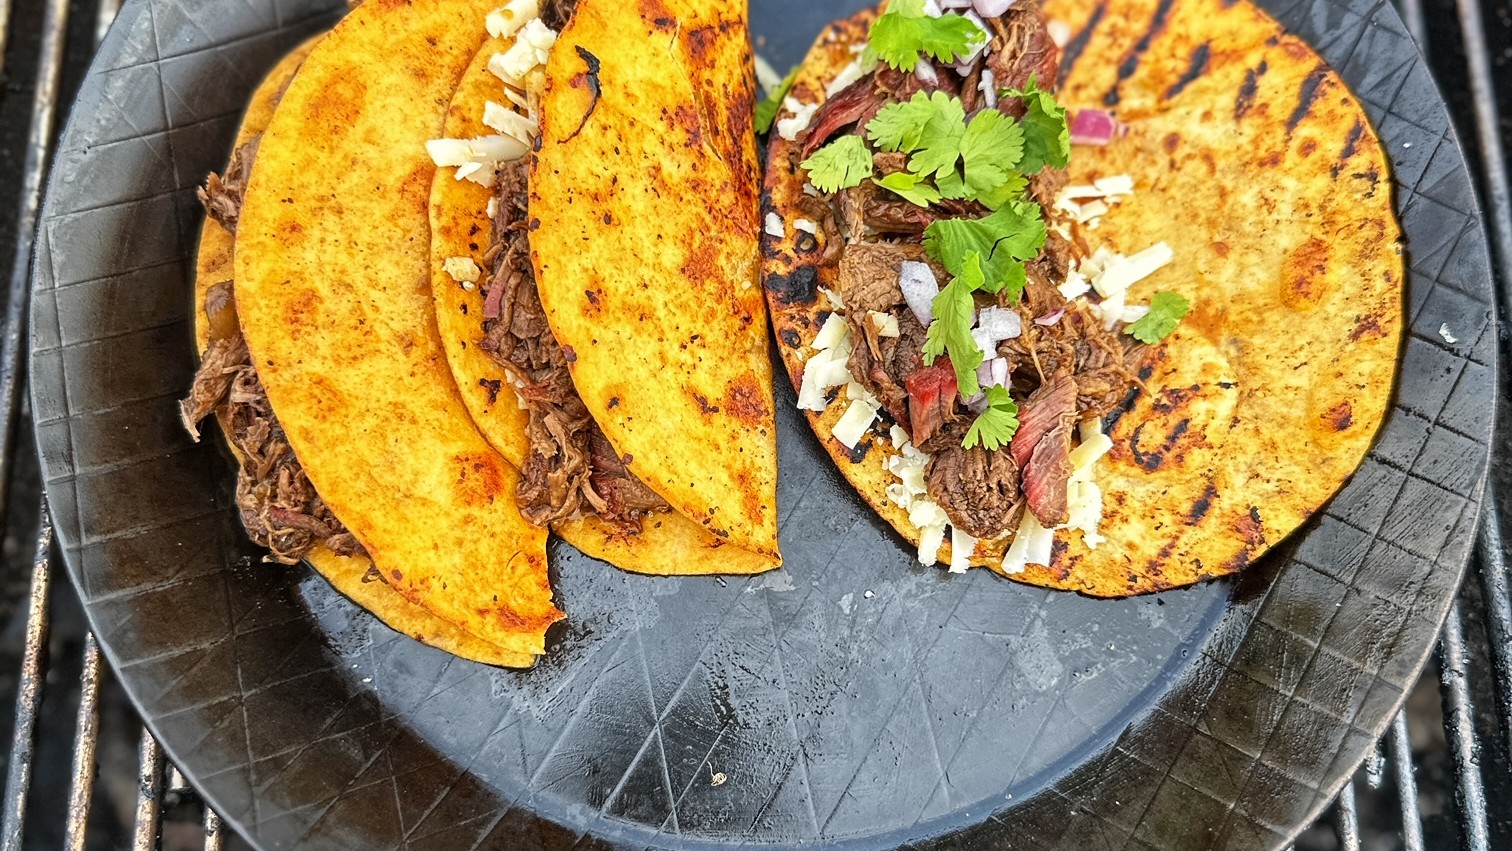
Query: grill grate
[{"x": 1441, "y": 777}]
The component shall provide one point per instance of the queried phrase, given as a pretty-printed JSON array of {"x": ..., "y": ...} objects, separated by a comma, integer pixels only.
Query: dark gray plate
[{"x": 854, "y": 698}]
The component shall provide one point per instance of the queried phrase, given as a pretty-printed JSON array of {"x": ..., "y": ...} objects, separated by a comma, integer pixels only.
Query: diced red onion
[
  {"x": 999, "y": 323},
  {"x": 991, "y": 8},
  {"x": 1093, "y": 127},
  {"x": 963, "y": 64},
  {"x": 955, "y": 4},
  {"x": 1050, "y": 318},
  {"x": 993, "y": 372},
  {"x": 925, "y": 71},
  {"x": 977, "y": 404},
  {"x": 917, "y": 281},
  {"x": 494, "y": 304}
]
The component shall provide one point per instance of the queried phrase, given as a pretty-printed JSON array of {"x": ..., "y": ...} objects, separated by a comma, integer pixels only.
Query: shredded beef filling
[
  {"x": 279, "y": 507},
  {"x": 222, "y": 196},
  {"x": 1070, "y": 369},
  {"x": 571, "y": 470}
]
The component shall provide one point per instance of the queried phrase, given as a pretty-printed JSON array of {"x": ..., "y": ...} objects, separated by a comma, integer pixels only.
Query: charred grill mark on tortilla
[
  {"x": 1130, "y": 63},
  {"x": 595, "y": 91},
  {"x": 1202, "y": 505},
  {"x": 1248, "y": 89},
  {"x": 1153, "y": 460},
  {"x": 1196, "y": 67},
  {"x": 1307, "y": 97},
  {"x": 801, "y": 286},
  {"x": 1078, "y": 44},
  {"x": 1351, "y": 145}
]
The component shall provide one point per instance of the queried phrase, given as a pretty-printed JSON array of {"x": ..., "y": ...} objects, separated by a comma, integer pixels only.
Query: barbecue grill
[{"x": 81, "y": 772}]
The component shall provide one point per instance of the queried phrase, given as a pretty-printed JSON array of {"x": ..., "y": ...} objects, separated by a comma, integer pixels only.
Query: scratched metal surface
[{"x": 855, "y": 698}]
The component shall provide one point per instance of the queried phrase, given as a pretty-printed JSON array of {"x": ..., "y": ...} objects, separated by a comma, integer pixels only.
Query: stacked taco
[{"x": 346, "y": 278}]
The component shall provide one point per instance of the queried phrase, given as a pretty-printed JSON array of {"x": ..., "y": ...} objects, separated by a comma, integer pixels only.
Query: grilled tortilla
[
  {"x": 643, "y": 239},
  {"x": 667, "y": 542},
  {"x": 1254, "y": 160},
  {"x": 330, "y": 266},
  {"x": 352, "y": 576}
]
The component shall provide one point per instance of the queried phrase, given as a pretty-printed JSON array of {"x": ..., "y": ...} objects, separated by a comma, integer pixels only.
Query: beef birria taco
[
  {"x": 580, "y": 357},
  {"x": 1103, "y": 296}
]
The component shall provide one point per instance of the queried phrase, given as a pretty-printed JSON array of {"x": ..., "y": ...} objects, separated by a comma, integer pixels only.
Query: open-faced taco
[
  {"x": 1111, "y": 317},
  {"x": 544, "y": 300}
]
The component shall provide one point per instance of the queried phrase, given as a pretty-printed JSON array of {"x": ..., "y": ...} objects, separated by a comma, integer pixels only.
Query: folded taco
[
  {"x": 1111, "y": 317},
  {"x": 279, "y": 508},
  {"x": 324, "y": 325},
  {"x": 606, "y": 334}
]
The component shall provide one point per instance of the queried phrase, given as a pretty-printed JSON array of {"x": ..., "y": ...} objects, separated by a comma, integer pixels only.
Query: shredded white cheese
[
  {"x": 766, "y": 75},
  {"x": 806, "y": 225},
  {"x": 930, "y": 539},
  {"x": 802, "y": 113},
  {"x": 1112, "y": 273},
  {"x": 849, "y": 74},
  {"x": 835, "y": 302},
  {"x": 492, "y": 209},
  {"x": 509, "y": 122},
  {"x": 1031, "y": 545},
  {"x": 774, "y": 226},
  {"x": 504, "y": 21},
  {"x": 462, "y": 269},
  {"x": 885, "y": 324},
  {"x": 1059, "y": 31},
  {"x": 531, "y": 49},
  {"x": 832, "y": 333},
  {"x": 854, "y": 423},
  {"x": 962, "y": 546}
]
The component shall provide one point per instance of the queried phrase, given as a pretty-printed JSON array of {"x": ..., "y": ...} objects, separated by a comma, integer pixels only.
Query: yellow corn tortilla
[
  {"x": 352, "y": 577},
  {"x": 1263, "y": 173},
  {"x": 645, "y": 190},
  {"x": 669, "y": 544},
  {"x": 332, "y": 271}
]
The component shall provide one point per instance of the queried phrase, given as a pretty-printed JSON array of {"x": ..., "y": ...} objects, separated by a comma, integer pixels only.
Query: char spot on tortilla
[
  {"x": 1305, "y": 279},
  {"x": 1248, "y": 89},
  {"x": 1078, "y": 43},
  {"x": 1367, "y": 326},
  {"x": 1130, "y": 63},
  {"x": 744, "y": 400},
  {"x": 1308, "y": 96},
  {"x": 801, "y": 286},
  {"x": 790, "y": 338},
  {"x": 1202, "y": 505},
  {"x": 1196, "y": 67},
  {"x": 1154, "y": 459},
  {"x": 1340, "y": 416},
  {"x": 1172, "y": 141}
]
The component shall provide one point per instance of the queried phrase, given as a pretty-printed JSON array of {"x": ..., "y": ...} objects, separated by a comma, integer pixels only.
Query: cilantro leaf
[
  {"x": 951, "y": 185},
  {"x": 994, "y": 427},
  {"x": 904, "y": 31},
  {"x": 899, "y": 125},
  {"x": 767, "y": 109},
  {"x": 939, "y": 142},
  {"x": 1010, "y": 190},
  {"x": 950, "y": 332},
  {"x": 841, "y": 164},
  {"x": 1047, "y": 137},
  {"x": 912, "y": 187},
  {"x": 990, "y": 147},
  {"x": 1166, "y": 310},
  {"x": 1002, "y": 241}
]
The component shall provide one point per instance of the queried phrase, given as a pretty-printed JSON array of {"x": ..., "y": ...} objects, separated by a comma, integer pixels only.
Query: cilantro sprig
[
  {"x": 911, "y": 187},
  {"x": 904, "y": 31},
  {"x": 841, "y": 164},
  {"x": 950, "y": 332},
  {"x": 767, "y": 109},
  {"x": 1047, "y": 136},
  {"x": 994, "y": 427},
  {"x": 1002, "y": 243},
  {"x": 1166, "y": 311}
]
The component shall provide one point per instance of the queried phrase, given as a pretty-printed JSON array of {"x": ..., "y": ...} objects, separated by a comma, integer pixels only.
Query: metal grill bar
[
  {"x": 86, "y": 739},
  {"x": 1407, "y": 793},
  {"x": 1462, "y": 740},
  {"x": 29, "y": 693},
  {"x": 149, "y": 794},
  {"x": 44, "y": 108}
]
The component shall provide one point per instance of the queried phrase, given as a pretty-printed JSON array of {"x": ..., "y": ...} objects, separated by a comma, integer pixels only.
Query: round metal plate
[{"x": 854, "y": 698}]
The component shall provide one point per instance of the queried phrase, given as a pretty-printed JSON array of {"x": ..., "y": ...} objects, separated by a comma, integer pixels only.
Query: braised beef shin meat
[
  {"x": 1066, "y": 364},
  {"x": 570, "y": 469},
  {"x": 222, "y": 195},
  {"x": 279, "y": 507}
]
